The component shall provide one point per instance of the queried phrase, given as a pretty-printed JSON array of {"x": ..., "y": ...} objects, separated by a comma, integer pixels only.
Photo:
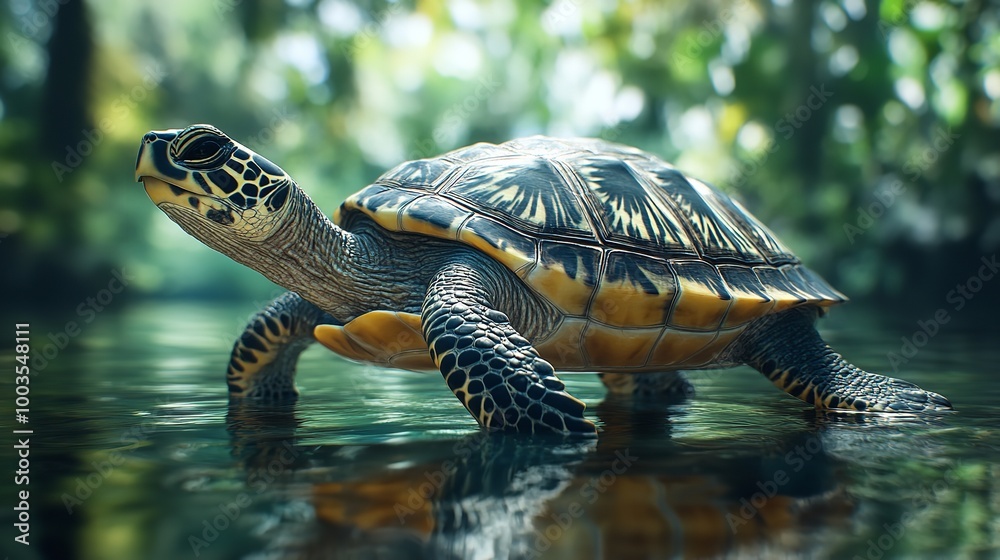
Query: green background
[{"x": 864, "y": 134}]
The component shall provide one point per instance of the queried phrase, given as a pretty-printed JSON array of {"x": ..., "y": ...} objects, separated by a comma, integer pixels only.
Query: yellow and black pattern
[
  {"x": 494, "y": 371},
  {"x": 610, "y": 235},
  {"x": 609, "y": 258},
  {"x": 790, "y": 353},
  {"x": 526, "y": 191},
  {"x": 200, "y": 171},
  {"x": 628, "y": 213},
  {"x": 263, "y": 360},
  {"x": 716, "y": 235}
]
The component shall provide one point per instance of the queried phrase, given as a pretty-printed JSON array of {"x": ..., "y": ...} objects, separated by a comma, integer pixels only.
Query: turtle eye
[
  {"x": 202, "y": 150},
  {"x": 205, "y": 152}
]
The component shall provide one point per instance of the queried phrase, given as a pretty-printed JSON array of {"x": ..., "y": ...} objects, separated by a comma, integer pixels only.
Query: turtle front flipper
[
  {"x": 262, "y": 364},
  {"x": 493, "y": 370},
  {"x": 787, "y": 349}
]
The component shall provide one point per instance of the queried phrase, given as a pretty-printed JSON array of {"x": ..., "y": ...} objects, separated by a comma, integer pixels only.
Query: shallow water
[{"x": 136, "y": 454}]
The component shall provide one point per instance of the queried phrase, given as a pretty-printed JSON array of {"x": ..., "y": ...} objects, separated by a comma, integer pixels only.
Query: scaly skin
[
  {"x": 263, "y": 360},
  {"x": 493, "y": 370},
  {"x": 787, "y": 349},
  {"x": 478, "y": 317}
]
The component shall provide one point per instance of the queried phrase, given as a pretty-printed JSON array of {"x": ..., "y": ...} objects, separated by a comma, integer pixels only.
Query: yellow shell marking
[
  {"x": 675, "y": 347},
  {"x": 750, "y": 298},
  {"x": 432, "y": 216},
  {"x": 635, "y": 291},
  {"x": 621, "y": 304},
  {"x": 612, "y": 347},
  {"x": 711, "y": 351},
  {"x": 514, "y": 260},
  {"x": 387, "y": 338},
  {"x": 386, "y": 214},
  {"x": 571, "y": 296},
  {"x": 719, "y": 226},
  {"x": 423, "y": 227},
  {"x": 698, "y": 306},
  {"x": 786, "y": 295},
  {"x": 564, "y": 349}
]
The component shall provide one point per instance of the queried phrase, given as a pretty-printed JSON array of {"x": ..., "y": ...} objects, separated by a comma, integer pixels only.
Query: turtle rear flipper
[
  {"x": 263, "y": 361},
  {"x": 787, "y": 349}
]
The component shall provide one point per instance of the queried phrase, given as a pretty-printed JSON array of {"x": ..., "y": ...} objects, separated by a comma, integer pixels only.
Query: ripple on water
[{"x": 143, "y": 390}]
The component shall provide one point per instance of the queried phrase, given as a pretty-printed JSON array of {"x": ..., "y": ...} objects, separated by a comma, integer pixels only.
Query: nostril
[{"x": 149, "y": 138}]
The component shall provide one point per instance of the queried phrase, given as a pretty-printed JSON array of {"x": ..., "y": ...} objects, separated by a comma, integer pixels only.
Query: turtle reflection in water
[
  {"x": 565, "y": 502},
  {"x": 498, "y": 264},
  {"x": 634, "y": 493}
]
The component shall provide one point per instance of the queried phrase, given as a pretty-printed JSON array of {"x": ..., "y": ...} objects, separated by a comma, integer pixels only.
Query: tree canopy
[{"x": 864, "y": 134}]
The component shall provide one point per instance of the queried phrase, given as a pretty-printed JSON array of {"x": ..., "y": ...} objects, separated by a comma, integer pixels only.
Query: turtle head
[{"x": 215, "y": 188}]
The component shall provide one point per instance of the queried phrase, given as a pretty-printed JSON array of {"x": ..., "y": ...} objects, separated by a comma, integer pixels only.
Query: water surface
[{"x": 136, "y": 454}]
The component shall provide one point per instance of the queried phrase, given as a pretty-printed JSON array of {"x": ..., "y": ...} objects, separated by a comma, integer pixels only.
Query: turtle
[{"x": 498, "y": 264}]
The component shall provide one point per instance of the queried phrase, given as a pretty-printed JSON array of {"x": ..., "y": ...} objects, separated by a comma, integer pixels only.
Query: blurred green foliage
[{"x": 865, "y": 134}]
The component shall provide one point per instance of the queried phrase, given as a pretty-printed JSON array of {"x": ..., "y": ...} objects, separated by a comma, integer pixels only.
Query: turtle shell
[{"x": 651, "y": 268}]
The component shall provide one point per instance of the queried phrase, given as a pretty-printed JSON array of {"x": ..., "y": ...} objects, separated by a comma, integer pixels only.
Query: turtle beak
[
  {"x": 152, "y": 160},
  {"x": 154, "y": 169}
]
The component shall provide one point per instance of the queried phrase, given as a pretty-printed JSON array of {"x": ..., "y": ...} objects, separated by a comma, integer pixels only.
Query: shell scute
[
  {"x": 786, "y": 294},
  {"x": 526, "y": 191},
  {"x": 512, "y": 248},
  {"x": 751, "y": 298},
  {"x": 610, "y": 235},
  {"x": 559, "y": 261},
  {"x": 381, "y": 203},
  {"x": 611, "y": 346},
  {"x": 713, "y": 232},
  {"x": 628, "y": 214},
  {"x": 702, "y": 299},
  {"x": 635, "y": 291},
  {"x": 419, "y": 174},
  {"x": 677, "y": 346},
  {"x": 434, "y": 216}
]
